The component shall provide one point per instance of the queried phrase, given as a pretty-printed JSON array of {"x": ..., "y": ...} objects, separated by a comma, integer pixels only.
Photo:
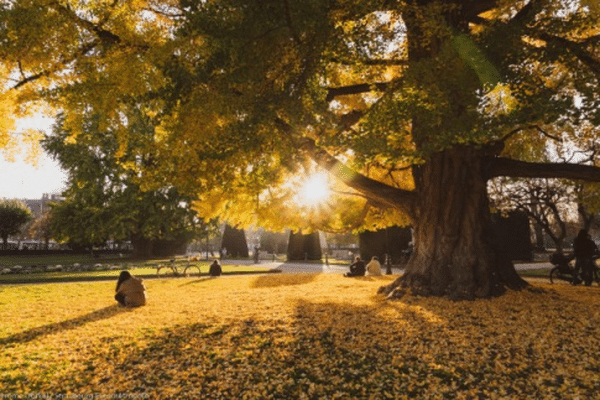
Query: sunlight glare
[{"x": 314, "y": 190}]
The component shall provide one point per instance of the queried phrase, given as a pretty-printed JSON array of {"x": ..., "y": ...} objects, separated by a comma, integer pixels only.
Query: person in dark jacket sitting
[
  {"x": 215, "y": 269},
  {"x": 357, "y": 268}
]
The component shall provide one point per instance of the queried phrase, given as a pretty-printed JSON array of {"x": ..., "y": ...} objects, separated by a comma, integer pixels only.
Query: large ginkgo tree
[{"x": 413, "y": 106}]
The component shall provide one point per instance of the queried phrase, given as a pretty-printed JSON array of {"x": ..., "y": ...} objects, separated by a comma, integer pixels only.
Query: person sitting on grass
[
  {"x": 374, "y": 267},
  {"x": 215, "y": 269},
  {"x": 131, "y": 291},
  {"x": 357, "y": 268}
]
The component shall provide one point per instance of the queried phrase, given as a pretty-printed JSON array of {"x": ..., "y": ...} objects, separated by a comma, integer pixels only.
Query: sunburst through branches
[{"x": 314, "y": 191}]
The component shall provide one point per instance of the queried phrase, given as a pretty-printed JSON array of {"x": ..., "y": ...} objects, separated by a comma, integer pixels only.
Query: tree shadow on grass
[
  {"x": 412, "y": 348},
  {"x": 199, "y": 280},
  {"x": 326, "y": 349},
  {"x": 283, "y": 280},
  {"x": 73, "y": 323}
]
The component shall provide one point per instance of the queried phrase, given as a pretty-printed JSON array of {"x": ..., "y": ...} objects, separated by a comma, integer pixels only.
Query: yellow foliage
[
  {"x": 7, "y": 117},
  {"x": 30, "y": 145},
  {"x": 295, "y": 336},
  {"x": 500, "y": 101}
]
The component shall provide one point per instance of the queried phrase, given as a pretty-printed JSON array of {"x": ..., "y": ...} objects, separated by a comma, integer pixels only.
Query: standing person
[
  {"x": 215, "y": 269},
  {"x": 374, "y": 267},
  {"x": 584, "y": 249},
  {"x": 130, "y": 291},
  {"x": 357, "y": 268},
  {"x": 256, "y": 255}
]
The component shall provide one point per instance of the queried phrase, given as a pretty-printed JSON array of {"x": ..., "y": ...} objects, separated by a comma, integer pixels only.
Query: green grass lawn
[
  {"x": 145, "y": 268},
  {"x": 314, "y": 336},
  {"x": 147, "y": 273},
  {"x": 535, "y": 273},
  {"x": 8, "y": 261}
]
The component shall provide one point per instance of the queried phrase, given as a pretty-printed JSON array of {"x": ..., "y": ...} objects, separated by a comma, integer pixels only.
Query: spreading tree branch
[
  {"x": 377, "y": 192},
  {"x": 391, "y": 62},
  {"x": 82, "y": 51},
  {"x": 104, "y": 37},
  {"x": 536, "y": 127},
  {"x": 574, "y": 48},
  {"x": 332, "y": 93},
  {"x": 521, "y": 169}
]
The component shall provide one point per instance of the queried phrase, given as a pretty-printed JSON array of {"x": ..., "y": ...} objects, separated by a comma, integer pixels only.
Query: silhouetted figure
[
  {"x": 584, "y": 249},
  {"x": 256, "y": 255},
  {"x": 357, "y": 268},
  {"x": 215, "y": 269},
  {"x": 130, "y": 291}
]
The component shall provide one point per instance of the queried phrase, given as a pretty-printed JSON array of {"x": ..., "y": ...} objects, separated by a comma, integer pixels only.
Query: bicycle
[
  {"x": 563, "y": 269},
  {"x": 176, "y": 269}
]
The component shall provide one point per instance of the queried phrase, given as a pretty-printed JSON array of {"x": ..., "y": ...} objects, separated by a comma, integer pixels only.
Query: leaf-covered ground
[{"x": 296, "y": 336}]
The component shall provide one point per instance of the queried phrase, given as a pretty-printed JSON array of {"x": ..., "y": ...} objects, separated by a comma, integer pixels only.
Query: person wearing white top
[{"x": 374, "y": 267}]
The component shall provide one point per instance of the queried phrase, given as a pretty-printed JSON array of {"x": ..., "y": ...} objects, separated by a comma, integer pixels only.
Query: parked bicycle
[{"x": 564, "y": 270}]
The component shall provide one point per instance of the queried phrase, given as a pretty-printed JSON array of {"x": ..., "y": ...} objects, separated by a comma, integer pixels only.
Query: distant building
[
  {"x": 22, "y": 241},
  {"x": 38, "y": 207}
]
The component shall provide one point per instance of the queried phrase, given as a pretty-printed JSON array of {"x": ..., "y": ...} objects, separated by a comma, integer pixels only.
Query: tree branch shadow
[
  {"x": 229, "y": 359},
  {"x": 73, "y": 323},
  {"x": 199, "y": 280}
]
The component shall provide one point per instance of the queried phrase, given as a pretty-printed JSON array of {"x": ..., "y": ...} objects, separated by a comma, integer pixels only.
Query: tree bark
[{"x": 456, "y": 253}]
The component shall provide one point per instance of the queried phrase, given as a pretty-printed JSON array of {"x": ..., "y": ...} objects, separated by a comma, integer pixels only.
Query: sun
[{"x": 314, "y": 191}]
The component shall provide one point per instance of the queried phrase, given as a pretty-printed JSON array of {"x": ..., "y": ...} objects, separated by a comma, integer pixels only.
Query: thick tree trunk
[
  {"x": 455, "y": 251},
  {"x": 142, "y": 247}
]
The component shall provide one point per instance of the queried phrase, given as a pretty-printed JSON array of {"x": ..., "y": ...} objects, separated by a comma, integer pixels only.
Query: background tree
[
  {"x": 414, "y": 106},
  {"x": 550, "y": 204},
  {"x": 273, "y": 242},
  {"x": 13, "y": 215},
  {"x": 234, "y": 241},
  {"x": 104, "y": 199},
  {"x": 584, "y": 149},
  {"x": 392, "y": 242},
  {"x": 209, "y": 238},
  {"x": 41, "y": 228},
  {"x": 588, "y": 205},
  {"x": 304, "y": 246}
]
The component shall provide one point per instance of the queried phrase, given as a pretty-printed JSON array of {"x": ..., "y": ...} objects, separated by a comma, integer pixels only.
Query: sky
[{"x": 22, "y": 180}]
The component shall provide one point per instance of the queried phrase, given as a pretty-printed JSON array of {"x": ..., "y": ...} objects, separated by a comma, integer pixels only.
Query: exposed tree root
[{"x": 417, "y": 285}]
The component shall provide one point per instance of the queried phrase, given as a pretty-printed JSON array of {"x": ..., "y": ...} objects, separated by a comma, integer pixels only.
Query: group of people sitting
[
  {"x": 359, "y": 268},
  {"x": 131, "y": 292}
]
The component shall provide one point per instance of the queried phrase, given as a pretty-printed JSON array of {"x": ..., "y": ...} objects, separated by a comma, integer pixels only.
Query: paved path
[
  {"x": 300, "y": 267},
  {"x": 535, "y": 265}
]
